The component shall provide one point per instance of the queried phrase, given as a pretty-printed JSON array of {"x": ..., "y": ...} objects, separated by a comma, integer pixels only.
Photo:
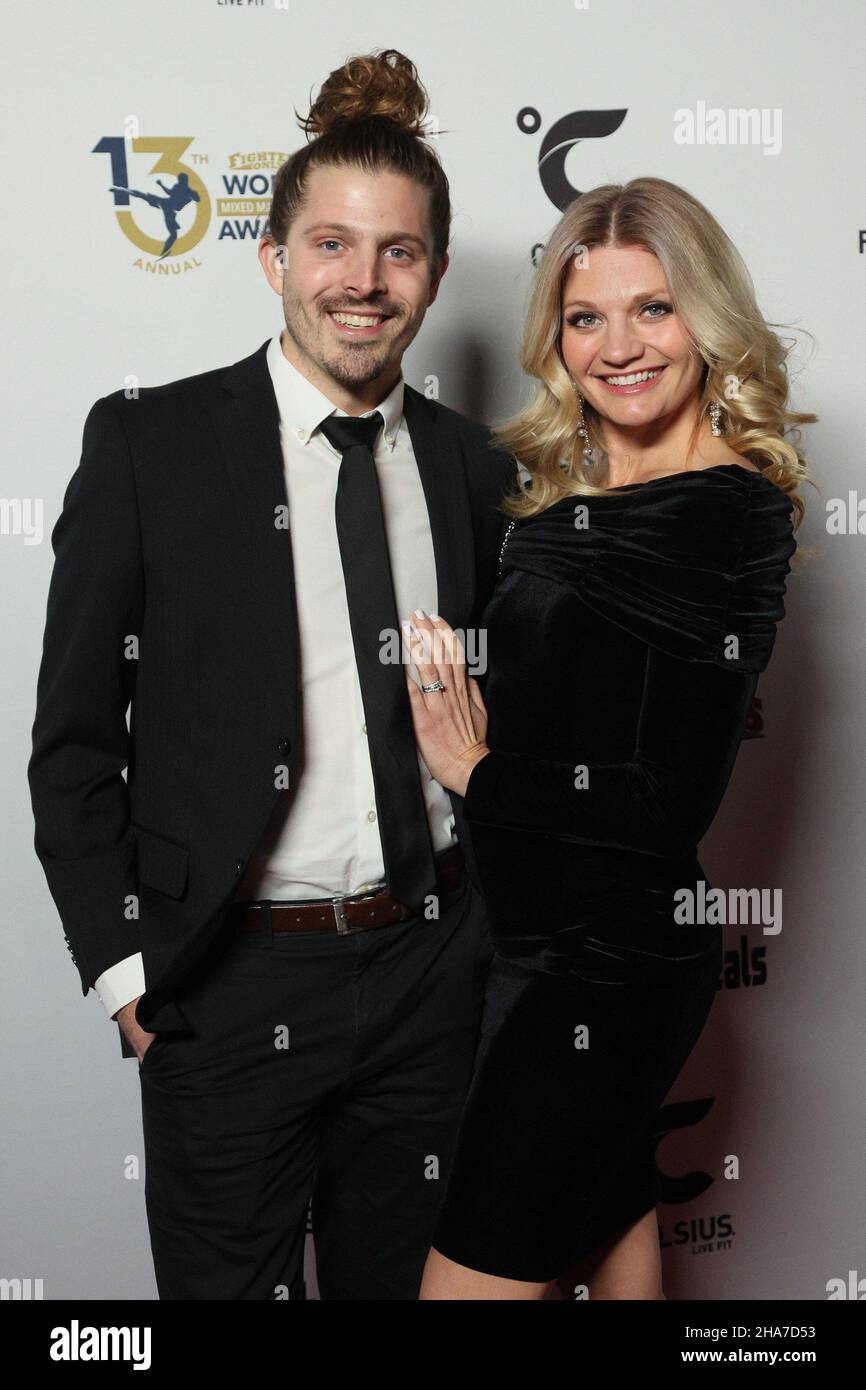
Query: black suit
[{"x": 167, "y": 536}]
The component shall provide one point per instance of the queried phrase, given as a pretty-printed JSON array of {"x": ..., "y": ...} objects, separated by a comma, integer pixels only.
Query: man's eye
[
  {"x": 329, "y": 241},
  {"x": 401, "y": 250}
]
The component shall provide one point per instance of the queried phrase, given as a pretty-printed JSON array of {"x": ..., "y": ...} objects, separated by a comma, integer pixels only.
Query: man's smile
[{"x": 357, "y": 325}]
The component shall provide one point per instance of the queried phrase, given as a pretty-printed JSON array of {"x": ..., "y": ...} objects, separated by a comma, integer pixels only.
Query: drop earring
[
  {"x": 716, "y": 418},
  {"x": 583, "y": 431}
]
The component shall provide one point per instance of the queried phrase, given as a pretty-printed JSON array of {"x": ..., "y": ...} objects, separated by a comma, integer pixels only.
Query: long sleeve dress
[{"x": 625, "y": 639}]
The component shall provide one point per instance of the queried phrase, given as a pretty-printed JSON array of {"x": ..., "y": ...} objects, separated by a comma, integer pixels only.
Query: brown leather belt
[{"x": 351, "y": 914}]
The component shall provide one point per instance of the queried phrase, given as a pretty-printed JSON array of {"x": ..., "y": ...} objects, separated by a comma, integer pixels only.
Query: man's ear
[
  {"x": 272, "y": 261},
  {"x": 436, "y": 279}
]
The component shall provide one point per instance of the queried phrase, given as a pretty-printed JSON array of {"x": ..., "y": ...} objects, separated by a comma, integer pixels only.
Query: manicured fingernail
[
  {"x": 419, "y": 613},
  {"x": 435, "y": 617}
]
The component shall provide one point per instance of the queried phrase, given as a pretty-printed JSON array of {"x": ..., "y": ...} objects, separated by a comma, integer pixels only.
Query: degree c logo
[{"x": 563, "y": 135}]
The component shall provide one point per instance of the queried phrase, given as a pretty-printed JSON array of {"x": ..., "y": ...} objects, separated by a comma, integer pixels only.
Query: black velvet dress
[{"x": 625, "y": 638}]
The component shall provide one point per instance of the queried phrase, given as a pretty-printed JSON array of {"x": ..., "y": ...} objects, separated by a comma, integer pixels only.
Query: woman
[{"x": 642, "y": 579}]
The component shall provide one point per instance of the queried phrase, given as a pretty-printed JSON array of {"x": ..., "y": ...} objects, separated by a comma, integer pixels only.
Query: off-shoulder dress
[{"x": 625, "y": 640}]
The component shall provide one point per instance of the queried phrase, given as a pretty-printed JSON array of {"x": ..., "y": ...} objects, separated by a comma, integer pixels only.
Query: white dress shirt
[{"x": 323, "y": 837}]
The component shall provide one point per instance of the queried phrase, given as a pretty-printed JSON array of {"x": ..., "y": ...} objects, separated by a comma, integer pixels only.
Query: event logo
[
  {"x": 163, "y": 206},
  {"x": 557, "y": 144},
  {"x": 179, "y": 188}
]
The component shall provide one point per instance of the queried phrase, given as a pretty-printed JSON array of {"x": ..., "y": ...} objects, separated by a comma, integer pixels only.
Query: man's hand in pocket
[{"x": 132, "y": 1030}]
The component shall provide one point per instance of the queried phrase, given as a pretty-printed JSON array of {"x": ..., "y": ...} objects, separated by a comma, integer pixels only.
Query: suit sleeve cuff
[{"x": 121, "y": 983}]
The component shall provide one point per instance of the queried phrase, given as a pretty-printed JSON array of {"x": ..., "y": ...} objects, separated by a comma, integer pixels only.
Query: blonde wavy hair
[{"x": 713, "y": 296}]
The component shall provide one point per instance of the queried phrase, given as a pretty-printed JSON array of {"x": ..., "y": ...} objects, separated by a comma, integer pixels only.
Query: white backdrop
[{"x": 764, "y": 1160}]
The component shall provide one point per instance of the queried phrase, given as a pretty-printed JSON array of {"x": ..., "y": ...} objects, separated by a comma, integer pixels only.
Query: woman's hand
[{"x": 450, "y": 724}]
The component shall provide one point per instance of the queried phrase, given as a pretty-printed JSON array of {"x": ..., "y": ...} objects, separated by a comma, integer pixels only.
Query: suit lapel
[
  {"x": 440, "y": 464},
  {"x": 247, "y": 423}
]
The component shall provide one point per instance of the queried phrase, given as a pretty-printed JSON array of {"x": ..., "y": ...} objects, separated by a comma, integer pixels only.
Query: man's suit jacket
[{"x": 173, "y": 591}]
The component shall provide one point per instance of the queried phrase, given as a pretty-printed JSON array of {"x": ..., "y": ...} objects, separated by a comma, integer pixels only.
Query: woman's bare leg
[
  {"x": 628, "y": 1265},
  {"x": 443, "y": 1279}
]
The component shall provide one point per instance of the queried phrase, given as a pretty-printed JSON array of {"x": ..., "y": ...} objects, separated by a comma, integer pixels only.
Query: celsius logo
[
  {"x": 687, "y": 1186},
  {"x": 559, "y": 140},
  {"x": 169, "y": 187},
  {"x": 705, "y": 1233}
]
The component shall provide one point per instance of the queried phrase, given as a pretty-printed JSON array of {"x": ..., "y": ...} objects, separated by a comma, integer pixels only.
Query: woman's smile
[{"x": 630, "y": 383}]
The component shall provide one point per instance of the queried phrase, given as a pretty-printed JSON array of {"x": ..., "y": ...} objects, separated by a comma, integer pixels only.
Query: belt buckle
[{"x": 340, "y": 919}]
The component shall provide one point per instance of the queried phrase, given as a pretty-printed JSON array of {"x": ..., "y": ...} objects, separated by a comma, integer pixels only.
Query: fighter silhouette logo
[{"x": 186, "y": 190}]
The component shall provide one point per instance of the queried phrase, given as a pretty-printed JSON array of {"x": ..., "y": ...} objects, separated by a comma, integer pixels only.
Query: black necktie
[{"x": 403, "y": 827}]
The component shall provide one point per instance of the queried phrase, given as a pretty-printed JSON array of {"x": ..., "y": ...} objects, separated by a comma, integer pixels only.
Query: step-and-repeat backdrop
[{"x": 756, "y": 108}]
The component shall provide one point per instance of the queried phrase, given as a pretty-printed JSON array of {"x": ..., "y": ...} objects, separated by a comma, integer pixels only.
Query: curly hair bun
[{"x": 371, "y": 84}]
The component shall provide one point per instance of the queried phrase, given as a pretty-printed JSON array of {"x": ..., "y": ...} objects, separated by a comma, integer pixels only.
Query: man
[{"x": 273, "y": 903}]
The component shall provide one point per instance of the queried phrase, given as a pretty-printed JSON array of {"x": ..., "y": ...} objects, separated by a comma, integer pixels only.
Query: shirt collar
[{"x": 303, "y": 406}]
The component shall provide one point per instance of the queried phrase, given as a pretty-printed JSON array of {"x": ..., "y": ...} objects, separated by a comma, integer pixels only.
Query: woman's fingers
[
  {"x": 476, "y": 697},
  {"x": 416, "y": 703},
  {"x": 438, "y": 650},
  {"x": 477, "y": 710},
  {"x": 437, "y": 653},
  {"x": 450, "y": 723},
  {"x": 447, "y": 647},
  {"x": 475, "y": 693},
  {"x": 420, "y": 653}
]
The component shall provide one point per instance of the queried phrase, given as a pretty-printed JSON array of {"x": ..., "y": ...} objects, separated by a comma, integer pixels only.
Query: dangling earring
[
  {"x": 716, "y": 418},
  {"x": 583, "y": 431}
]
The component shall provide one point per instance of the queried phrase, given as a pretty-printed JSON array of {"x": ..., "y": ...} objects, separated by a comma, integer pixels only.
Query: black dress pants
[{"x": 317, "y": 1066}]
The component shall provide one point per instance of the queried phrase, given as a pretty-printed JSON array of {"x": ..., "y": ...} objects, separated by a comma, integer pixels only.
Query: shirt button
[
  {"x": 302, "y": 434},
  {"x": 371, "y": 815}
]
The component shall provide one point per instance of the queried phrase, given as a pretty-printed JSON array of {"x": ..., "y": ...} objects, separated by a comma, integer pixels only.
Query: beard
[
  {"x": 352, "y": 366},
  {"x": 349, "y": 363}
]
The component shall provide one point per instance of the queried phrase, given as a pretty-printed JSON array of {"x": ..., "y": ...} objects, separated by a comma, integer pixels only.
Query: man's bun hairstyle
[
  {"x": 384, "y": 84},
  {"x": 369, "y": 113}
]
